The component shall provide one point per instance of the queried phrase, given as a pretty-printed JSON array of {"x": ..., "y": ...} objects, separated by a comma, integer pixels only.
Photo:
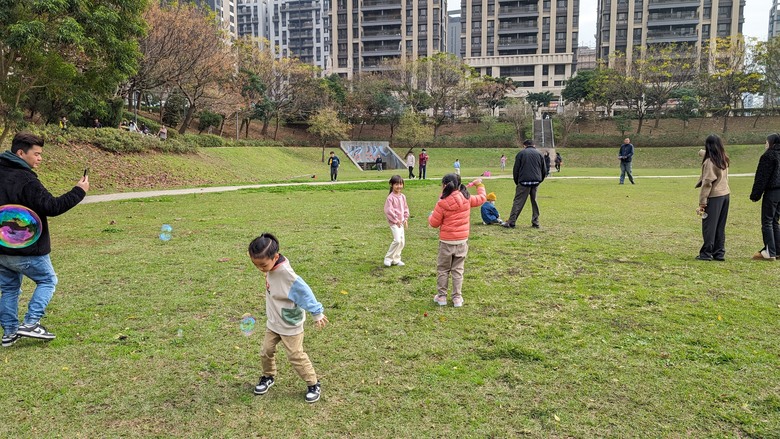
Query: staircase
[{"x": 543, "y": 133}]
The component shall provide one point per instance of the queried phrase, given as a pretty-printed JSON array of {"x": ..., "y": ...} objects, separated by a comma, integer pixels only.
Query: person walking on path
[
  {"x": 410, "y": 163},
  {"x": 626, "y": 155},
  {"x": 29, "y": 257},
  {"x": 334, "y": 161},
  {"x": 713, "y": 199},
  {"x": 457, "y": 166},
  {"x": 528, "y": 173},
  {"x": 423, "y": 165},
  {"x": 558, "y": 161},
  {"x": 502, "y": 162},
  {"x": 766, "y": 186},
  {"x": 452, "y": 217}
]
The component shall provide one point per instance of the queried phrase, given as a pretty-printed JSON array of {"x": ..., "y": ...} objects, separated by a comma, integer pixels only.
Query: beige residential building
[
  {"x": 531, "y": 41},
  {"x": 366, "y": 33},
  {"x": 629, "y": 26}
]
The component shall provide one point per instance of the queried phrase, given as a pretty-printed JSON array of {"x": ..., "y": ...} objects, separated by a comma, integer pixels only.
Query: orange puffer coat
[{"x": 453, "y": 214}]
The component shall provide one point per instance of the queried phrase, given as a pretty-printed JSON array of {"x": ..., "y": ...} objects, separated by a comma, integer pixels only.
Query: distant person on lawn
[
  {"x": 21, "y": 187},
  {"x": 423, "y": 165},
  {"x": 334, "y": 161},
  {"x": 410, "y": 163},
  {"x": 626, "y": 155},
  {"x": 713, "y": 199},
  {"x": 766, "y": 185}
]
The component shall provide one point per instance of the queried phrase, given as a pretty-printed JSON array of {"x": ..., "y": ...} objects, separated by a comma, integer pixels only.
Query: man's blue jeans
[
  {"x": 625, "y": 168},
  {"x": 12, "y": 269}
]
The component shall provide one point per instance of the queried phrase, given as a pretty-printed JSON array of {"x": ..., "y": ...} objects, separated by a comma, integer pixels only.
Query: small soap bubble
[
  {"x": 247, "y": 324},
  {"x": 180, "y": 333},
  {"x": 165, "y": 232}
]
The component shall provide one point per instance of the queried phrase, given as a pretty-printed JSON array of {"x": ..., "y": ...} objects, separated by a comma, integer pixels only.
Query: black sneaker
[
  {"x": 265, "y": 383},
  {"x": 508, "y": 225},
  {"x": 35, "y": 330},
  {"x": 313, "y": 393},
  {"x": 8, "y": 340}
]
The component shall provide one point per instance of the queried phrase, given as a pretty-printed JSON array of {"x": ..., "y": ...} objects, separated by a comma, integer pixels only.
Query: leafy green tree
[
  {"x": 326, "y": 125},
  {"x": 174, "y": 108},
  {"x": 520, "y": 114},
  {"x": 580, "y": 88},
  {"x": 540, "y": 99},
  {"x": 492, "y": 92},
  {"x": 445, "y": 77},
  {"x": 61, "y": 45},
  {"x": 412, "y": 130},
  {"x": 687, "y": 104}
]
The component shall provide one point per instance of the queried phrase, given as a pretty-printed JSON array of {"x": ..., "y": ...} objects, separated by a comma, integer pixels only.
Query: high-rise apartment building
[
  {"x": 225, "y": 11},
  {"x": 252, "y": 18},
  {"x": 453, "y": 33},
  {"x": 774, "y": 19},
  {"x": 366, "y": 33},
  {"x": 629, "y": 26},
  {"x": 301, "y": 29},
  {"x": 531, "y": 41}
]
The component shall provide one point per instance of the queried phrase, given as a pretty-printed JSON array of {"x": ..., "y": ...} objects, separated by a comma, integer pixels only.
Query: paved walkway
[{"x": 207, "y": 190}]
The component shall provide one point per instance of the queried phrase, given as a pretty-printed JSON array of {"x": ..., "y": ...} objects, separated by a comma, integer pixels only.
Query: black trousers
[
  {"x": 521, "y": 195},
  {"x": 713, "y": 228},
  {"x": 770, "y": 213},
  {"x": 411, "y": 171},
  {"x": 421, "y": 171}
]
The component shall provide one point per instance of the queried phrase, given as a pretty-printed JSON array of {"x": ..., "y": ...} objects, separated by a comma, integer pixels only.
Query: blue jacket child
[{"x": 489, "y": 212}]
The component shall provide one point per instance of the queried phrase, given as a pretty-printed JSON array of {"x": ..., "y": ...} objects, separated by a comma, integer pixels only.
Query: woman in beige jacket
[{"x": 713, "y": 199}]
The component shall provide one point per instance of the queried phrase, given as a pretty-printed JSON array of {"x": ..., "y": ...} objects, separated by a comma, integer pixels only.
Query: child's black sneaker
[
  {"x": 313, "y": 393},
  {"x": 8, "y": 340},
  {"x": 35, "y": 330},
  {"x": 265, "y": 383}
]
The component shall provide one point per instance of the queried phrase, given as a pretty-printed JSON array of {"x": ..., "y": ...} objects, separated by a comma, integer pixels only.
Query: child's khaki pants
[{"x": 293, "y": 345}]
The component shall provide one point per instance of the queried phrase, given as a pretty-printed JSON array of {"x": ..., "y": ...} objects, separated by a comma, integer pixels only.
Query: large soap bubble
[{"x": 20, "y": 227}]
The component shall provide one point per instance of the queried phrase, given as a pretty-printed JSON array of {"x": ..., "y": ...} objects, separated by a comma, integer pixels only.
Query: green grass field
[{"x": 600, "y": 324}]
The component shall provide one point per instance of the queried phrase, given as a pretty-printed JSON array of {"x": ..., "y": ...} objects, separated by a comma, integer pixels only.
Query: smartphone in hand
[{"x": 86, "y": 171}]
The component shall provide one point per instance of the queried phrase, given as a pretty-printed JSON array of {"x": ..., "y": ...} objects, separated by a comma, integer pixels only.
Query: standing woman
[
  {"x": 714, "y": 199},
  {"x": 767, "y": 185},
  {"x": 410, "y": 163}
]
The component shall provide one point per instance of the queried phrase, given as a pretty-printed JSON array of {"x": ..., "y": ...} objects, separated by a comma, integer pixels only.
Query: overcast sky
[{"x": 756, "y": 19}]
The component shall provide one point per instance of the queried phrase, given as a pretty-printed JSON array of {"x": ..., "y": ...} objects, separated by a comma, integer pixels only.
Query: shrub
[
  {"x": 205, "y": 140},
  {"x": 207, "y": 119}
]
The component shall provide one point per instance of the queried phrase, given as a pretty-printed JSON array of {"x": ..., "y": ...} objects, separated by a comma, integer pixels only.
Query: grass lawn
[{"x": 600, "y": 324}]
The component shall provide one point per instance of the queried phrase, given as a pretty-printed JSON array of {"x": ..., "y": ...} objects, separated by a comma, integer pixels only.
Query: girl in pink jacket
[
  {"x": 397, "y": 213},
  {"x": 452, "y": 216}
]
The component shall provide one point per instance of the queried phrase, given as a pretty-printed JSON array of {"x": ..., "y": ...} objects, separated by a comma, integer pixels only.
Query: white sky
[{"x": 756, "y": 19}]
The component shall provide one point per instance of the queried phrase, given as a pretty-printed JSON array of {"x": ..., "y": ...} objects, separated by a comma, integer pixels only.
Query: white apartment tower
[
  {"x": 774, "y": 19},
  {"x": 301, "y": 29},
  {"x": 531, "y": 41},
  {"x": 628, "y": 26},
  {"x": 366, "y": 33},
  {"x": 252, "y": 18}
]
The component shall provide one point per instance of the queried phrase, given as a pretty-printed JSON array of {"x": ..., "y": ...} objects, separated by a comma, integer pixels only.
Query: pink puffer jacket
[{"x": 453, "y": 214}]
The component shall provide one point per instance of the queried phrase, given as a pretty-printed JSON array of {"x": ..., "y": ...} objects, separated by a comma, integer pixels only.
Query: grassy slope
[{"x": 227, "y": 166}]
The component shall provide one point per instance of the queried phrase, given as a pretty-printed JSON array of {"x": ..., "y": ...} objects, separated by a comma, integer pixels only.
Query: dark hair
[
  {"x": 452, "y": 183},
  {"x": 394, "y": 180},
  {"x": 528, "y": 142},
  {"x": 264, "y": 246},
  {"x": 713, "y": 150},
  {"x": 773, "y": 139},
  {"x": 332, "y": 152},
  {"x": 24, "y": 141}
]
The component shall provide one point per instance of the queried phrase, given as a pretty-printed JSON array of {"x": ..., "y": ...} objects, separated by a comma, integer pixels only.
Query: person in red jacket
[
  {"x": 452, "y": 216},
  {"x": 423, "y": 163}
]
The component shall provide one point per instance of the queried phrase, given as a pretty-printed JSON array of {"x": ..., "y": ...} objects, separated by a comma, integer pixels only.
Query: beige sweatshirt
[{"x": 714, "y": 182}]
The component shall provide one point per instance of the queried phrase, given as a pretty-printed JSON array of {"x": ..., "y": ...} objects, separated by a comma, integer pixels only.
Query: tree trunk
[
  {"x": 187, "y": 119},
  {"x": 264, "y": 131},
  {"x": 276, "y": 127},
  {"x": 639, "y": 126},
  {"x": 725, "y": 122},
  {"x": 246, "y": 133}
]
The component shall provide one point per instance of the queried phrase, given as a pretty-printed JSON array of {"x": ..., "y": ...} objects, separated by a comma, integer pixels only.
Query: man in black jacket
[
  {"x": 767, "y": 185},
  {"x": 20, "y": 186},
  {"x": 529, "y": 172}
]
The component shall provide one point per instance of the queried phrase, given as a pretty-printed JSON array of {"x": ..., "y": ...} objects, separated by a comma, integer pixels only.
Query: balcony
[
  {"x": 392, "y": 34},
  {"x": 380, "y": 19},
  {"x": 671, "y": 36},
  {"x": 373, "y": 5},
  {"x": 517, "y": 28},
  {"x": 299, "y": 6},
  {"x": 517, "y": 43},
  {"x": 390, "y": 49},
  {"x": 685, "y": 17},
  {"x": 659, "y": 4},
  {"x": 518, "y": 11}
]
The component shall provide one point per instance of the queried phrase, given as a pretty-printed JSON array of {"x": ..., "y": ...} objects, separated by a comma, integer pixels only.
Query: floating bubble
[
  {"x": 247, "y": 324},
  {"x": 165, "y": 232},
  {"x": 20, "y": 227}
]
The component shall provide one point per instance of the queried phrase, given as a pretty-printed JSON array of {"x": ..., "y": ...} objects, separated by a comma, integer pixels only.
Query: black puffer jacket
[
  {"x": 20, "y": 185},
  {"x": 767, "y": 173},
  {"x": 529, "y": 169}
]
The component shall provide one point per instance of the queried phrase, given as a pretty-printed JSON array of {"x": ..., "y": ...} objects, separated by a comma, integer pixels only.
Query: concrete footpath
[{"x": 208, "y": 190}]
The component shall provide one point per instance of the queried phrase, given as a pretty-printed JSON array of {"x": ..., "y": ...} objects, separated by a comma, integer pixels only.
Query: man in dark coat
[
  {"x": 23, "y": 193},
  {"x": 529, "y": 172}
]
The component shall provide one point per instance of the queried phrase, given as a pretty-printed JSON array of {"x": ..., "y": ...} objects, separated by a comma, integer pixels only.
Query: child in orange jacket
[{"x": 452, "y": 216}]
